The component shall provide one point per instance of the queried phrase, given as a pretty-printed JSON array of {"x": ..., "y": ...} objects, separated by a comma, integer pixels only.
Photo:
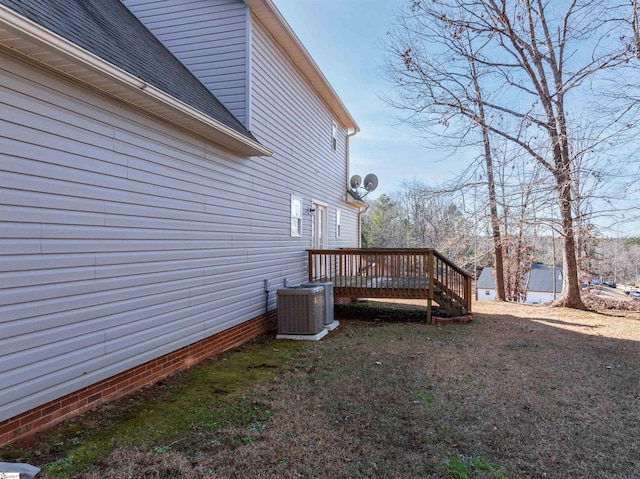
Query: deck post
[
  {"x": 388, "y": 273},
  {"x": 431, "y": 281}
]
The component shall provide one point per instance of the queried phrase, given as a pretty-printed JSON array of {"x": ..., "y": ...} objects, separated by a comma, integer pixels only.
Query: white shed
[{"x": 539, "y": 283}]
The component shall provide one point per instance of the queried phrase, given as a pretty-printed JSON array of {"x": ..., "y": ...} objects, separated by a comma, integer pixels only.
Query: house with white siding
[
  {"x": 539, "y": 284},
  {"x": 159, "y": 161}
]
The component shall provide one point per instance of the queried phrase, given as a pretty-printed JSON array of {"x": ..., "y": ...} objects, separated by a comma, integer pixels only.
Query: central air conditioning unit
[
  {"x": 301, "y": 313},
  {"x": 329, "y": 315}
]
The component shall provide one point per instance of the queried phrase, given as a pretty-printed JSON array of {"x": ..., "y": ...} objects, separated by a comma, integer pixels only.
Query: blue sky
[{"x": 346, "y": 39}]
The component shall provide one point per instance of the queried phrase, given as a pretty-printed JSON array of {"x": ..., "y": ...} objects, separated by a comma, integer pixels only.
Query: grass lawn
[{"x": 523, "y": 391}]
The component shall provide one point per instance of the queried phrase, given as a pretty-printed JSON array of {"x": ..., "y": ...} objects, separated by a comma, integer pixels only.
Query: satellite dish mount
[{"x": 360, "y": 188}]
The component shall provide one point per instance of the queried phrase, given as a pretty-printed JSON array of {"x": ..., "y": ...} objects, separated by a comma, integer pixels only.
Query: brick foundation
[
  {"x": 124, "y": 383},
  {"x": 457, "y": 320}
]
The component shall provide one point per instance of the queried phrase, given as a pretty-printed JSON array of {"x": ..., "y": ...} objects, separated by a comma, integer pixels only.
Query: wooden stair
[{"x": 395, "y": 273}]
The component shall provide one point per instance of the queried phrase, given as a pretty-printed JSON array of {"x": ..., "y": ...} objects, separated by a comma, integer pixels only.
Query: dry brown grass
[{"x": 533, "y": 390}]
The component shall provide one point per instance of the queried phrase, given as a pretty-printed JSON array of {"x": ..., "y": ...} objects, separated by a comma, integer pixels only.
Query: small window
[
  {"x": 334, "y": 136},
  {"x": 486, "y": 292},
  {"x": 338, "y": 224},
  {"x": 296, "y": 216}
]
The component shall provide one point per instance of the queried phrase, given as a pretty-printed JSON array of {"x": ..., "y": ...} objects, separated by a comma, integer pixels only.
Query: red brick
[
  {"x": 84, "y": 394},
  {"x": 69, "y": 400},
  {"x": 60, "y": 413},
  {"x": 135, "y": 378},
  {"x": 52, "y": 407},
  {"x": 21, "y": 431},
  {"x": 28, "y": 418},
  {"x": 42, "y": 422},
  {"x": 8, "y": 426}
]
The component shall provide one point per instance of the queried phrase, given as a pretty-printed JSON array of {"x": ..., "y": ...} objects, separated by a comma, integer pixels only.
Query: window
[
  {"x": 296, "y": 216},
  {"x": 487, "y": 293},
  {"x": 338, "y": 224},
  {"x": 334, "y": 136}
]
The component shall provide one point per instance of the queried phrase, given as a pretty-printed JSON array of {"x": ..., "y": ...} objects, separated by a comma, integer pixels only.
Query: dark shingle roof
[
  {"x": 109, "y": 30},
  {"x": 486, "y": 279},
  {"x": 540, "y": 278}
]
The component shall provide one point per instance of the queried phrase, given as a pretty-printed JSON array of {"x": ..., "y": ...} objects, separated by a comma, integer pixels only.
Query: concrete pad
[
  {"x": 304, "y": 337},
  {"x": 332, "y": 326}
]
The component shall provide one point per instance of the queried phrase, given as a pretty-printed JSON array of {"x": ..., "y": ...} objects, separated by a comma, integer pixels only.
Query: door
[{"x": 319, "y": 237}]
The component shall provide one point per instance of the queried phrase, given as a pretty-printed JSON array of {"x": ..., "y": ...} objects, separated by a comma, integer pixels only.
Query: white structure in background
[{"x": 539, "y": 283}]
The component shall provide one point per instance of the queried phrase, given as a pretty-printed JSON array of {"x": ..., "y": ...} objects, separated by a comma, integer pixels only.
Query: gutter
[
  {"x": 137, "y": 91},
  {"x": 361, "y": 211}
]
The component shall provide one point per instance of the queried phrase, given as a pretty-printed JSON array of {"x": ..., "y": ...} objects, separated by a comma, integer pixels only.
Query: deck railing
[{"x": 390, "y": 273}]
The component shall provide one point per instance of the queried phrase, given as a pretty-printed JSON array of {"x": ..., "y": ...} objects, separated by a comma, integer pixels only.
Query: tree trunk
[
  {"x": 493, "y": 203},
  {"x": 571, "y": 297},
  {"x": 559, "y": 138},
  {"x": 495, "y": 227},
  {"x": 635, "y": 23}
]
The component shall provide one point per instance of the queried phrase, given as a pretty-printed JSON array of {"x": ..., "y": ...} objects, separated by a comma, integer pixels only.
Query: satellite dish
[
  {"x": 370, "y": 182},
  {"x": 355, "y": 182}
]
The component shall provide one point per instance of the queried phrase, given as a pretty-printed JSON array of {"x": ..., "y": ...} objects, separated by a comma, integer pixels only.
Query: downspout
[{"x": 361, "y": 211}]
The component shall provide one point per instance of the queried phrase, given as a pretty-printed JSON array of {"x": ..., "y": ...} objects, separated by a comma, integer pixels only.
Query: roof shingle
[
  {"x": 540, "y": 278},
  {"x": 109, "y": 30}
]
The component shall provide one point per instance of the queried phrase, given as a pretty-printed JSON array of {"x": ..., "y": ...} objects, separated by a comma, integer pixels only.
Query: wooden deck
[{"x": 393, "y": 273}]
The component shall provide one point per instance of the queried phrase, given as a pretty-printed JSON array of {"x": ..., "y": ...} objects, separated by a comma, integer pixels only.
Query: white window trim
[
  {"x": 296, "y": 215},
  {"x": 334, "y": 136},
  {"x": 338, "y": 223}
]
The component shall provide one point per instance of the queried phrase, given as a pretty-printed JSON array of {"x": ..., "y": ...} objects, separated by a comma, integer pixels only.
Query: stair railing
[{"x": 391, "y": 273}]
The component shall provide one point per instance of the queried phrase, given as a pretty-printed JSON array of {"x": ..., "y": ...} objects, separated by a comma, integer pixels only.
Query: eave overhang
[
  {"x": 354, "y": 201},
  {"x": 25, "y": 37},
  {"x": 274, "y": 22}
]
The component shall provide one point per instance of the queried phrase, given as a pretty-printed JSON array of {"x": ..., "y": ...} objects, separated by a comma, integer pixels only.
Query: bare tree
[
  {"x": 530, "y": 55},
  {"x": 436, "y": 219},
  {"x": 451, "y": 92},
  {"x": 635, "y": 28}
]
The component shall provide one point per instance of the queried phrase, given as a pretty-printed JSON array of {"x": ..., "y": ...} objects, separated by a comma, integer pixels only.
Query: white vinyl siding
[
  {"x": 289, "y": 117},
  {"x": 486, "y": 294},
  {"x": 121, "y": 238},
  {"x": 210, "y": 38},
  {"x": 539, "y": 297}
]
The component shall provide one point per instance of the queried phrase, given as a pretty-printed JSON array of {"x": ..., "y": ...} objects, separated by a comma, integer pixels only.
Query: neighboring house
[
  {"x": 539, "y": 284},
  {"x": 159, "y": 160}
]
